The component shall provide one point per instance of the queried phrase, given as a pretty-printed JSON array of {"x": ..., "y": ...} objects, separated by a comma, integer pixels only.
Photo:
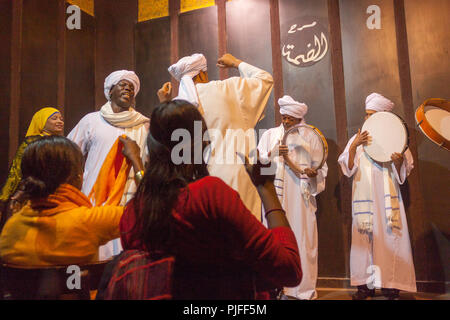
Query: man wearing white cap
[
  {"x": 97, "y": 132},
  {"x": 296, "y": 193},
  {"x": 236, "y": 104},
  {"x": 380, "y": 254}
]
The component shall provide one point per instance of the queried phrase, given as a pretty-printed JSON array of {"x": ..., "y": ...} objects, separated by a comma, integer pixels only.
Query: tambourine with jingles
[
  {"x": 389, "y": 135},
  {"x": 307, "y": 147},
  {"x": 433, "y": 119}
]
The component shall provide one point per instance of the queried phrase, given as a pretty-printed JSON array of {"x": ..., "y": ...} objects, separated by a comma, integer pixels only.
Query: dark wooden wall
[
  {"x": 44, "y": 64},
  {"x": 407, "y": 60},
  {"x": 114, "y": 47},
  {"x": 5, "y": 82}
]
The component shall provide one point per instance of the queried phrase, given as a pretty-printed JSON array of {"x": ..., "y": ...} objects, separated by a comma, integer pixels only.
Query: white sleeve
[
  {"x": 253, "y": 89},
  {"x": 343, "y": 159},
  {"x": 81, "y": 134},
  {"x": 318, "y": 183},
  {"x": 405, "y": 169}
]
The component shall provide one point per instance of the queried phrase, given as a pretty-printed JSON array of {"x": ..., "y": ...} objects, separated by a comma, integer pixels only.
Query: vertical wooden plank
[
  {"x": 152, "y": 60},
  {"x": 222, "y": 36},
  {"x": 198, "y": 33},
  {"x": 16, "y": 57},
  {"x": 337, "y": 67},
  {"x": 61, "y": 44},
  {"x": 276, "y": 57},
  {"x": 248, "y": 38},
  {"x": 429, "y": 57},
  {"x": 174, "y": 10},
  {"x": 5, "y": 83},
  {"x": 39, "y": 60},
  {"x": 416, "y": 212},
  {"x": 79, "y": 81},
  {"x": 114, "y": 47}
]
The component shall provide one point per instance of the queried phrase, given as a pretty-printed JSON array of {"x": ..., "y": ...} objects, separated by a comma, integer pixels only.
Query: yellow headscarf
[{"x": 39, "y": 120}]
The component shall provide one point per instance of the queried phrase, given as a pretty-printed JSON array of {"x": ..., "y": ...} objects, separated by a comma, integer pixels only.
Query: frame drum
[
  {"x": 389, "y": 134},
  {"x": 433, "y": 119},
  {"x": 308, "y": 148}
]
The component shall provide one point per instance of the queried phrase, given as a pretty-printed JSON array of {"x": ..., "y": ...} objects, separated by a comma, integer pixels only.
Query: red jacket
[{"x": 221, "y": 250}]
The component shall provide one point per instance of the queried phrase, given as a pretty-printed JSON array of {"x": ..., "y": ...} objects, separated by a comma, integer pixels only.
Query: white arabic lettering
[
  {"x": 294, "y": 28},
  {"x": 315, "y": 54}
]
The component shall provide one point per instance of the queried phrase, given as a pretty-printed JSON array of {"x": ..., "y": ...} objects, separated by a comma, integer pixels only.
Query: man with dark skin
[{"x": 97, "y": 133}]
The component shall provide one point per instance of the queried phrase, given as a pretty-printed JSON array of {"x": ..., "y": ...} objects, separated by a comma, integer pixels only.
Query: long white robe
[
  {"x": 95, "y": 137},
  {"x": 300, "y": 211},
  {"x": 235, "y": 104},
  {"x": 385, "y": 257}
]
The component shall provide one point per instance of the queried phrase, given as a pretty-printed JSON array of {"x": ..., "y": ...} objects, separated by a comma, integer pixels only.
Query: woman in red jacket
[{"x": 221, "y": 250}]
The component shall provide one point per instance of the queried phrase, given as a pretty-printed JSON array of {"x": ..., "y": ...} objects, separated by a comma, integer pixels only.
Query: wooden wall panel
[
  {"x": 314, "y": 86},
  {"x": 79, "y": 72},
  {"x": 39, "y": 59},
  {"x": 370, "y": 59},
  {"x": 249, "y": 38},
  {"x": 429, "y": 47},
  {"x": 198, "y": 33},
  {"x": 114, "y": 46},
  {"x": 5, "y": 84},
  {"x": 152, "y": 60}
]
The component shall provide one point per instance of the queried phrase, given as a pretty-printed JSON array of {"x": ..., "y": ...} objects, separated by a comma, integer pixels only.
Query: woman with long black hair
[{"x": 221, "y": 250}]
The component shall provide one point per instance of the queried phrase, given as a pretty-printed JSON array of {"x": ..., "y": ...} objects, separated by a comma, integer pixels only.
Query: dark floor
[{"x": 346, "y": 294}]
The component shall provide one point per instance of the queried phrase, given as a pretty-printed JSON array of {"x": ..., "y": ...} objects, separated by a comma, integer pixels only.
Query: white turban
[
  {"x": 292, "y": 108},
  {"x": 116, "y": 76},
  {"x": 377, "y": 102},
  {"x": 186, "y": 69}
]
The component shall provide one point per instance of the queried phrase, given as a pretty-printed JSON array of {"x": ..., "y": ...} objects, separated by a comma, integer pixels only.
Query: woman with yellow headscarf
[{"x": 47, "y": 121}]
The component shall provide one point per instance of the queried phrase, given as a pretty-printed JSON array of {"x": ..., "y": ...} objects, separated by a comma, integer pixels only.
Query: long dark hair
[
  {"x": 158, "y": 192},
  {"x": 47, "y": 163}
]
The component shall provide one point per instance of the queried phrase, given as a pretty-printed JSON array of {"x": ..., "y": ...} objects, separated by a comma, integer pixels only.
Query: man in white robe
[
  {"x": 231, "y": 109},
  {"x": 96, "y": 133},
  {"x": 297, "y": 192},
  {"x": 380, "y": 255}
]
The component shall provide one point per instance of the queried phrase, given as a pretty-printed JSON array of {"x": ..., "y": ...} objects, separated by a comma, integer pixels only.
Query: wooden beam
[
  {"x": 276, "y": 57},
  {"x": 416, "y": 212},
  {"x": 16, "y": 55},
  {"x": 174, "y": 10},
  {"x": 61, "y": 43},
  {"x": 222, "y": 27},
  {"x": 340, "y": 110}
]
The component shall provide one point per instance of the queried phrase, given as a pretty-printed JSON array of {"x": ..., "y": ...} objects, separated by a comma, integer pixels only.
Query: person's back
[
  {"x": 59, "y": 224},
  {"x": 220, "y": 248}
]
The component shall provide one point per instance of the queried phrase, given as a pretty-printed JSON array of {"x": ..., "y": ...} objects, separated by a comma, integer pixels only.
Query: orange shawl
[{"x": 110, "y": 184}]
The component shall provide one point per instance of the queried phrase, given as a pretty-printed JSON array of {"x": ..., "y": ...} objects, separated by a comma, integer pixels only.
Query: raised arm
[{"x": 253, "y": 87}]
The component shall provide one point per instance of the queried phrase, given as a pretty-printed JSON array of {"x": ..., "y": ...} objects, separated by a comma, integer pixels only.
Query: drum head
[
  {"x": 306, "y": 148},
  {"x": 439, "y": 120},
  {"x": 388, "y": 134}
]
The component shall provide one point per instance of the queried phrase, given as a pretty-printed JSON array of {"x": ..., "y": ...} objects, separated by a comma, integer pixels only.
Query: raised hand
[
  {"x": 165, "y": 93},
  {"x": 228, "y": 61},
  {"x": 254, "y": 170}
]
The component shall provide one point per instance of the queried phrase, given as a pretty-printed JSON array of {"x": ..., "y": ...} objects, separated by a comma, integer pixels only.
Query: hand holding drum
[
  {"x": 304, "y": 149},
  {"x": 384, "y": 137}
]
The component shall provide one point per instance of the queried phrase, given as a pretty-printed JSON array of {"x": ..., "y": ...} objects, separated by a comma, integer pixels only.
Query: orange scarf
[
  {"x": 110, "y": 184},
  {"x": 65, "y": 198}
]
